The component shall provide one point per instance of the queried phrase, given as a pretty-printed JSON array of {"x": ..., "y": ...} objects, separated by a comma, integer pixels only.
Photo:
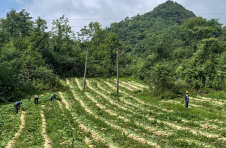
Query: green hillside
[{"x": 136, "y": 31}]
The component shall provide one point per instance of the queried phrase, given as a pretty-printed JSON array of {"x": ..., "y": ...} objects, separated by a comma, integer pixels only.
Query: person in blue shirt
[
  {"x": 186, "y": 99},
  {"x": 17, "y": 106}
]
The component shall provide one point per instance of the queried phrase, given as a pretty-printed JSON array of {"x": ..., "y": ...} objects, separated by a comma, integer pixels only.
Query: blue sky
[
  {"x": 92, "y": 9},
  {"x": 6, "y": 6}
]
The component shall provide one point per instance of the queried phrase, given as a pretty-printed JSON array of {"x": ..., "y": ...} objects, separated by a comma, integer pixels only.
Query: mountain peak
[{"x": 171, "y": 11}]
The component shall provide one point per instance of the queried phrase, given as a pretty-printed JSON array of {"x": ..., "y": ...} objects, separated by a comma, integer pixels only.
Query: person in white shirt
[{"x": 36, "y": 99}]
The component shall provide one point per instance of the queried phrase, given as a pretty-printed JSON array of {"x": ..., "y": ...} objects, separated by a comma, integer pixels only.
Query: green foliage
[
  {"x": 23, "y": 67},
  {"x": 161, "y": 76},
  {"x": 198, "y": 28},
  {"x": 32, "y": 59},
  {"x": 181, "y": 53},
  {"x": 201, "y": 69},
  {"x": 137, "y": 33},
  {"x": 16, "y": 24},
  {"x": 192, "y": 49},
  {"x": 102, "y": 51}
]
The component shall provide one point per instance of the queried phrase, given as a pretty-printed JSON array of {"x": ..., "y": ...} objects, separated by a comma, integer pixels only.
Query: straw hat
[{"x": 186, "y": 92}]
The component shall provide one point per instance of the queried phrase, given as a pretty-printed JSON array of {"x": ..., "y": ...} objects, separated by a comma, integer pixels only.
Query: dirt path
[
  {"x": 129, "y": 85},
  {"x": 60, "y": 105},
  {"x": 64, "y": 101},
  {"x": 79, "y": 86},
  {"x": 138, "y": 85},
  {"x": 48, "y": 142},
  {"x": 190, "y": 130},
  {"x": 89, "y": 142},
  {"x": 12, "y": 141}
]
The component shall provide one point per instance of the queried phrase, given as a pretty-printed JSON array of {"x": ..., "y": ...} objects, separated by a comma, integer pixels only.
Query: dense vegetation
[
  {"x": 136, "y": 33},
  {"x": 32, "y": 59},
  {"x": 169, "y": 48}
]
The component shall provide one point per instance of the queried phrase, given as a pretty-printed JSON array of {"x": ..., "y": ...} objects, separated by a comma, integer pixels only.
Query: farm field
[{"x": 99, "y": 117}]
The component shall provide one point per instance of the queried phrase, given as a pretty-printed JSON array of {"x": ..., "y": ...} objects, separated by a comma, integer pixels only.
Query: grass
[
  {"x": 68, "y": 135},
  {"x": 9, "y": 123},
  {"x": 115, "y": 133},
  {"x": 131, "y": 118},
  {"x": 31, "y": 135}
]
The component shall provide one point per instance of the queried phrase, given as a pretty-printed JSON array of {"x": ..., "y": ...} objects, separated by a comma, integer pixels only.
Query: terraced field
[{"x": 99, "y": 117}]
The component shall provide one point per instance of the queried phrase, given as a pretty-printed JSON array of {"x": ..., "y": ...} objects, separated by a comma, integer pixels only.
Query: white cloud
[
  {"x": 92, "y": 4},
  {"x": 91, "y": 9}
]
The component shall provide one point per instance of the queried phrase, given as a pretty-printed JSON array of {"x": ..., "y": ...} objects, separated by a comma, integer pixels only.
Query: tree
[
  {"x": 201, "y": 67},
  {"x": 162, "y": 76},
  {"x": 61, "y": 33},
  {"x": 16, "y": 24},
  {"x": 198, "y": 28},
  {"x": 112, "y": 43}
]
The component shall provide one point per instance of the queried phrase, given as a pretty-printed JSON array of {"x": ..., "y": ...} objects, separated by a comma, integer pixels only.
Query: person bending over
[
  {"x": 53, "y": 96},
  {"x": 17, "y": 106}
]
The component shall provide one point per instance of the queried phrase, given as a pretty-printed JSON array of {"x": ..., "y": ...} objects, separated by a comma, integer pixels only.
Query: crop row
[{"x": 115, "y": 115}]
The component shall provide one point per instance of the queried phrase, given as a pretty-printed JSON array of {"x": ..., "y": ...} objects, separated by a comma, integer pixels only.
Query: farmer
[
  {"x": 17, "y": 106},
  {"x": 36, "y": 99},
  {"x": 186, "y": 99},
  {"x": 53, "y": 96}
]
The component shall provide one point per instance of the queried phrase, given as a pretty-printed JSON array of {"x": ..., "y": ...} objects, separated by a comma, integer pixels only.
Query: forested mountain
[
  {"x": 174, "y": 50},
  {"x": 136, "y": 31},
  {"x": 169, "y": 48}
]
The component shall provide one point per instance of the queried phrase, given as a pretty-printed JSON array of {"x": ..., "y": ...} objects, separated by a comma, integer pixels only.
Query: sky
[{"x": 106, "y": 11}]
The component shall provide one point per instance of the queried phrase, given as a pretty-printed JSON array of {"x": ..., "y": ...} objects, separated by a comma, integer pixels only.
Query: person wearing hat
[{"x": 186, "y": 99}]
